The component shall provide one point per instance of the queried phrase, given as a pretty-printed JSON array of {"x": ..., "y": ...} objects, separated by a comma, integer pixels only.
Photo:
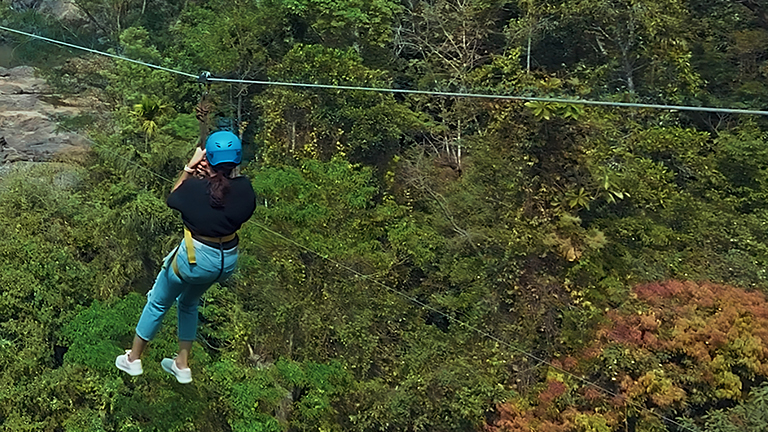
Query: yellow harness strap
[{"x": 190, "y": 246}]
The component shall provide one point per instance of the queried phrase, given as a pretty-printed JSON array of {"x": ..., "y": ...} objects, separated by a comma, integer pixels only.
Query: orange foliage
[
  {"x": 570, "y": 363},
  {"x": 554, "y": 390},
  {"x": 704, "y": 320},
  {"x": 591, "y": 394},
  {"x": 514, "y": 419},
  {"x": 691, "y": 335},
  {"x": 683, "y": 338}
]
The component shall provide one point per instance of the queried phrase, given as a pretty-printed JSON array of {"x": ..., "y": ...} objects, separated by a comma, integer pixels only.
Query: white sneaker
[
  {"x": 184, "y": 376},
  {"x": 132, "y": 368}
]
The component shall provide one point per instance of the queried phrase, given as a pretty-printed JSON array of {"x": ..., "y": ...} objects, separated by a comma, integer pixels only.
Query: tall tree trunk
[
  {"x": 628, "y": 73},
  {"x": 528, "y": 59}
]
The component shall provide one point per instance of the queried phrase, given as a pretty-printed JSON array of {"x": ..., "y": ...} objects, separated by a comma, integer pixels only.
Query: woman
[{"x": 212, "y": 208}]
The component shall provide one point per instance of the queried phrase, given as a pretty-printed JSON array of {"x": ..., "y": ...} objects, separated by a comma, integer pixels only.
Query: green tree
[
  {"x": 314, "y": 123},
  {"x": 147, "y": 113}
]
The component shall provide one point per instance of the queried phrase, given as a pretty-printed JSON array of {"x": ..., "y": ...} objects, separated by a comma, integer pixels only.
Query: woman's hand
[
  {"x": 195, "y": 166},
  {"x": 202, "y": 171},
  {"x": 198, "y": 157}
]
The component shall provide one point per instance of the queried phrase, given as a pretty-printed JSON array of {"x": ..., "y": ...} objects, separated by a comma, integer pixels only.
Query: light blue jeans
[{"x": 168, "y": 288}]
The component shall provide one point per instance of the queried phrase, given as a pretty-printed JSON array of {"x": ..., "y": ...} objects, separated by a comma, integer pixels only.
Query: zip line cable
[
  {"x": 58, "y": 42},
  {"x": 501, "y": 97},
  {"x": 383, "y": 90},
  {"x": 406, "y": 91}
]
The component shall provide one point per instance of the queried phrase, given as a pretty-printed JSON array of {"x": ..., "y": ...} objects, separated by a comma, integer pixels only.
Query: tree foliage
[
  {"x": 678, "y": 350},
  {"x": 416, "y": 263}
]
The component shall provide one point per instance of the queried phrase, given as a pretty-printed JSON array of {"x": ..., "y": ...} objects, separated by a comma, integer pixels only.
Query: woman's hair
[{"x": 218, "y": 183}]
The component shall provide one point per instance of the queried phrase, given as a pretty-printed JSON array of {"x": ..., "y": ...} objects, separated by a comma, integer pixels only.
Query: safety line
[
  {"x": 448, "y": 94},
  {"x": 58, "y": 42},
  {"x": 496, "y": 96},
  {"x": 468, "y": 326},
  {"x": 414, "y": 92}
]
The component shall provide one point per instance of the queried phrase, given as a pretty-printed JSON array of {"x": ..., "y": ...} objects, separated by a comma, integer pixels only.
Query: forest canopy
[{"x": 416, "y": 262}]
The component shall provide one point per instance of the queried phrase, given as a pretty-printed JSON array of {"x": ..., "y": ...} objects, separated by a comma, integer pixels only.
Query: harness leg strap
[
  {"x": 175, "y": 265},
  {"x": 190, "y": 246}
]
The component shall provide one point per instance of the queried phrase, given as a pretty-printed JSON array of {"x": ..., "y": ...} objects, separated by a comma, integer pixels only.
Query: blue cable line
[
  {"x": 407, "y": 91},
  {"x": 57, "y": 42},
  {"x": 497, "y": 96}
]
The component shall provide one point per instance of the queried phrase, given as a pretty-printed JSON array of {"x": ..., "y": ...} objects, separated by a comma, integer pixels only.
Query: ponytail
[{"x": 218, "y": 183}]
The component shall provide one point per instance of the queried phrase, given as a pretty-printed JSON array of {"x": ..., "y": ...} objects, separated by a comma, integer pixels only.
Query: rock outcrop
[
  {"x": 61, "y": 9},
  {"x": 28, "y": 113}
]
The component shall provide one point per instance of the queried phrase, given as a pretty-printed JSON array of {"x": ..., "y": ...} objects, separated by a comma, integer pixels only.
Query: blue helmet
[{"x": 223, "y": 146}]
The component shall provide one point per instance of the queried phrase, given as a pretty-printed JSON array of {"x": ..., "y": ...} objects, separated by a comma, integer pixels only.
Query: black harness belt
[{"x": 190, "y": 245}]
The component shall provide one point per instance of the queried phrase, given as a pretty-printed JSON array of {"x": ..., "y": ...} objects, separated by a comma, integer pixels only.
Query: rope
[
  {"x": 501, "y": 97},
  {"x": 406, "y": 91},
  {"x": 446, "y": 94},
  {"x": 58, "y": 42}
]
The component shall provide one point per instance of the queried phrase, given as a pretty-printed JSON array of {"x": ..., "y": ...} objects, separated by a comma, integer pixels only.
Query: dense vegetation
[{"x": 625, "y": 246}]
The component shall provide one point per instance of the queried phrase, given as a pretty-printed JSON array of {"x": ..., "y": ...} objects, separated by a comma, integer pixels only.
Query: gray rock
[
  {"x": 12, "y": 155},
  {"x": 64, "y": 10},
  {"x": 67, "y": 180},
  {"x": 22, "y": 72},
  {"x": 22, "y": 5},
  {"x": 10, "y": 89},
  {"x": 61, "y": 9},
  {"x": 27, "y": 118}
]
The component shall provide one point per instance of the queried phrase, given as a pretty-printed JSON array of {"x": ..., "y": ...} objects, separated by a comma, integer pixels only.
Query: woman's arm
[{"x": 190, "y": 168}]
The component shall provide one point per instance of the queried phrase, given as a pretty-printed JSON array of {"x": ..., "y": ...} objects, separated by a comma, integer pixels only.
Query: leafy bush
[{"x": 680, "y": 349}]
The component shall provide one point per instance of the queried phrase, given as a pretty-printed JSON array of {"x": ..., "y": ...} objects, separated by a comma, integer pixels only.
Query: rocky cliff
[
  {"x": 61, "y": 9},
  {"x": 28, "y": 113}
]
